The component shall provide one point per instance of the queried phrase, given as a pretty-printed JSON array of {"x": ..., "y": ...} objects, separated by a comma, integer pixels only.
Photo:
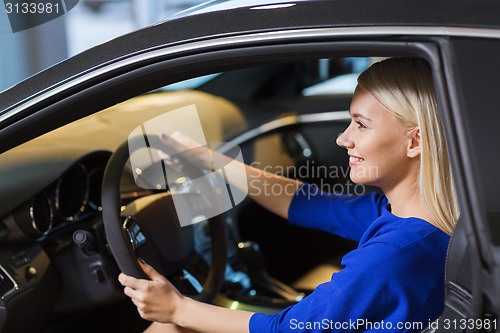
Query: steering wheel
[{"x": 149, "y": 227}]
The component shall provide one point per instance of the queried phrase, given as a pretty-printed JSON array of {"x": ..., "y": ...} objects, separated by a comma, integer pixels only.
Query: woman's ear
[{"x": 414, "y": 144}]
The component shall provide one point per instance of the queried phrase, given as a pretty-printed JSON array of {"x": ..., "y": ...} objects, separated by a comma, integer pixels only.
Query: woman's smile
[{"x": 354, "y": 160}]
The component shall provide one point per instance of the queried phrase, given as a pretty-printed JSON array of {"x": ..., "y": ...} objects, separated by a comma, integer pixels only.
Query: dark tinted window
[{"x": 478, "y": 68}]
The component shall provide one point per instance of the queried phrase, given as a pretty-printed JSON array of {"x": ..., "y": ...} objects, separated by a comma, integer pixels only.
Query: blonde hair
[{"x": 405, "y": 87}]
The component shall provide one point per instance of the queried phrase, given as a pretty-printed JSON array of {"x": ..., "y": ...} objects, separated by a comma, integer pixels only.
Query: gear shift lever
[{"x": 249, "y": 252}]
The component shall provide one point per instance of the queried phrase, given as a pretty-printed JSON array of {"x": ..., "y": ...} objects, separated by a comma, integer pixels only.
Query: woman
[{"x": 394, "y": 279}]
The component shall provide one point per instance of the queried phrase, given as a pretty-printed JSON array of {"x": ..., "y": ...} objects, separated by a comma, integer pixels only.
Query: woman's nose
[{"x": 343, "y": 140}]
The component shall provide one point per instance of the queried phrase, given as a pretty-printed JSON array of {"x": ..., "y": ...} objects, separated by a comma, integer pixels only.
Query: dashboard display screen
[{"x": 136, "y": 235}]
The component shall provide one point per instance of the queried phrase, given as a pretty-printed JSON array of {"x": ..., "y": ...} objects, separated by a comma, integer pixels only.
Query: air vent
[{"x": 6, "y": 283}]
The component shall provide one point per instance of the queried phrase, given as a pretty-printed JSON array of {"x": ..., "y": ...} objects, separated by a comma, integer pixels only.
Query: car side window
[{"x": 478, "y": 70}]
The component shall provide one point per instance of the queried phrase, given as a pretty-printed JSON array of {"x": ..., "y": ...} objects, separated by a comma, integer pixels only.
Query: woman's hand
[
  {"x": 199, "y": 155},
  {"x": 257, "y": 183},
  {"x": 156, "y": 299}
]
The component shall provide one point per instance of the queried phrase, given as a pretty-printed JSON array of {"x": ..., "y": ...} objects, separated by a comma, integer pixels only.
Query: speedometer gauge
[
  {"x": 95, "y": 183},
  {"x": 72, "y": 192},
  {"x": 41, "y": 214}
]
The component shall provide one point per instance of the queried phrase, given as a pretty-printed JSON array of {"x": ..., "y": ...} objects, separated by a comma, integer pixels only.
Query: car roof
[{"x": 242, "y": 17}]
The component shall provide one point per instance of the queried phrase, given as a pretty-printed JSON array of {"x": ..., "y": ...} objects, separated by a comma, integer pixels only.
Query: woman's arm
[
  {"x": 273, "y": 192},
  {"x": 157, "y": 300},
  {"x": 209, "y": 318}
]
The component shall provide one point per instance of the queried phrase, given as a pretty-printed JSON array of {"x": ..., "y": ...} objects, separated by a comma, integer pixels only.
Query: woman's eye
[{"x": 360, "y": 124}]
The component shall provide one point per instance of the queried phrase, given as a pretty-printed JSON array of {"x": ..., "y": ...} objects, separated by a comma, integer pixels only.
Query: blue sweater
[{"x": 393, "y": 281}]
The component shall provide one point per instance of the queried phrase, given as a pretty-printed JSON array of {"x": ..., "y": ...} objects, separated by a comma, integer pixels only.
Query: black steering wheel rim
[{"x": 123, "y": 251}]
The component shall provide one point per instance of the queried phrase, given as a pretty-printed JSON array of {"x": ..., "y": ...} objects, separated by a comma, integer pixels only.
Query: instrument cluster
[{"x": 74, "y": 196}]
